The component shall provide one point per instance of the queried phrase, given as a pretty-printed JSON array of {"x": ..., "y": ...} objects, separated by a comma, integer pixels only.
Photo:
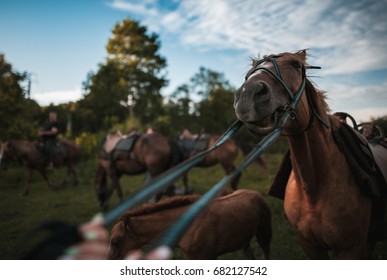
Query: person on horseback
[{"x": 49, "y": 135}]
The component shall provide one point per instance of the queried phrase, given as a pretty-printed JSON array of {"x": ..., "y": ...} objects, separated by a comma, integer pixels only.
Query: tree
[
  {"x": 382, "y": 123},
  {"x": 133, "y": 70},
  {"x": 136, "y": 55},
  {"x": 213, "y": 109},
  {"x": 18, "y": 114}
]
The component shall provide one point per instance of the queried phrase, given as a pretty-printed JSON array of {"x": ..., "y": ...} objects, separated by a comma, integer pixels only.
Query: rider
[{"x": 48, "y": 135}]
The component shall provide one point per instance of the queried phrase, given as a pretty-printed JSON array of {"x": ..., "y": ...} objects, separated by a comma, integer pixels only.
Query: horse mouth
[{"x": 264, "y": 126}]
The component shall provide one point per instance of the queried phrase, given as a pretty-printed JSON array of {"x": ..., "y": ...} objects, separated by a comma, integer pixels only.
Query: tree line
[
  {"x": 127, "y": 85},
  {"x": 124, "y": 92}
]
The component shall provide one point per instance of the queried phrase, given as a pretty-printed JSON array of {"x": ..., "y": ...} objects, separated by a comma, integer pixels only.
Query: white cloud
[
  {"x": 57, "y": 97},
  {"x": 362, "y": 102},
  {"x": 347, "y": 36},
  {"x": 139, "y": 8}
]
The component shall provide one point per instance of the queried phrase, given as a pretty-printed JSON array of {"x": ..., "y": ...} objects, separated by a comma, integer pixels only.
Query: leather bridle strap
[{"x": 279, "y": 79}]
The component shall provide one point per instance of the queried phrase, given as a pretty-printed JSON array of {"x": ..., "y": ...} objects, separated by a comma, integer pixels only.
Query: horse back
[{"x": 228, "y": 224}]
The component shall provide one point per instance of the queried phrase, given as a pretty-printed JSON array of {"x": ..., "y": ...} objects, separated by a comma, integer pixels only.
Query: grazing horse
[
  {"x": 153, "y": 153},
  {"x": 227, "y": 225},
  {"x": 323, "y": 199},
  {"x": 30, "y": 154},
  {"x": 225, "y": 154}
]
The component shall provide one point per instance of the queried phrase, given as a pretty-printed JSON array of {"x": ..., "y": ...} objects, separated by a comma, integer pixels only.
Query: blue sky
[{"x": 59, "y": 42}]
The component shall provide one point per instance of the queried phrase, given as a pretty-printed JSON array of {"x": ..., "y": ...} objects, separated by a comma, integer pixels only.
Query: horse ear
[
  {"x": 301, "y": 54},
  {"x": 126, "y": 223}
]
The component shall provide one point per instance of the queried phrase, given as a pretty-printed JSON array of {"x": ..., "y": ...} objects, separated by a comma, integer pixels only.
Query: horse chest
[{"x": 326, "y": 219}]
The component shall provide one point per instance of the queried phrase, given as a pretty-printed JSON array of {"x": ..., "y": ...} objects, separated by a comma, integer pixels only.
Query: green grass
[{"x": 19, "y": 215}]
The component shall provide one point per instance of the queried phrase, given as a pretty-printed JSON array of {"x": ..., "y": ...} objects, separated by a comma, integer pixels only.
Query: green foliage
[
  {"x": 382, "y": 123},
  {"x": 126, "y": 126},
  {"x": 18, "y": 115},
  {"x": 132, "y": 75},
  {"x": 87, "y": 143},
  {"x": 213, "y": 112}
]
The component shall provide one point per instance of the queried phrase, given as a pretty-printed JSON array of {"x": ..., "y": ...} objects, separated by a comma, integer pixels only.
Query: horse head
[
  {"x": 270, "y": 87},
  {"x": 122, "y": 240},
  {"x": 6, "y": 153},
  {"x": 102, "y": 190}
]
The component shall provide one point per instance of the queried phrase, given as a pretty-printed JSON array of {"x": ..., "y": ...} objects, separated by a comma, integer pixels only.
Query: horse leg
[
  {"x": 185, "y": 183},
  {"x": 357, "y": 252},
  {"x": 45, "y": 177},
  {"x": 73, "y": 172},
  {"x": 65, "y": 179},
  {"x": 115, "y": 178},
  {"x": 27, "y": 182},
  {"x": 312, "y": 252},
  {"x": 248, "y": 252},
  {"x": 264, "y": 232},
  {"x": 229, "y": 169}
]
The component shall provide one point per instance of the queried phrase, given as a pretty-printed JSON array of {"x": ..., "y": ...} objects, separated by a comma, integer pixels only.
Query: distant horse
[
  {"x": 225, "y": 154},
  {"x": 30, "y": 154},
  {"x": 153, "y": 153},
  {"x": 323, "y": 199},
  {"x": 227, "y": 225}
]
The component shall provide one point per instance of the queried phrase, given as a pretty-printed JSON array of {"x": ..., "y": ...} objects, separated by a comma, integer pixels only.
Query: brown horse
[
  {"x": 227, "y": 225},
  {"x": 30, "y": 154},
  {"x": 225, "y": 155},
  {"x": 322, "y": 199},
  {"x": 153, "y": 153}
]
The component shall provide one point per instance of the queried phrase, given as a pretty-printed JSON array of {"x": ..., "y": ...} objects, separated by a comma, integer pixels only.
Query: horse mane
[
  {"x": 166, "y": 204},
  {"x": 318, "y": 98}
]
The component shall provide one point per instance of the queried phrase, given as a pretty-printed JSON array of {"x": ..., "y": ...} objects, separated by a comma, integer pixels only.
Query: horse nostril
[
  {"x": 260, "y": 88},
  {"x": 261, "y": 92}
]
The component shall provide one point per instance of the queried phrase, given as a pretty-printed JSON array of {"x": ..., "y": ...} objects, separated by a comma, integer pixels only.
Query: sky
[{"x": 59, "y": 42}]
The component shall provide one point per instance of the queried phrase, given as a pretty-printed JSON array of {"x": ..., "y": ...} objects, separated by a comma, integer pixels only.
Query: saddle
[
  {"x": 367, "y": 159},
  {"x": 194, "y": 146},
  {"x": 126, "y": 144},
  {"x": 118, "y": 142}
]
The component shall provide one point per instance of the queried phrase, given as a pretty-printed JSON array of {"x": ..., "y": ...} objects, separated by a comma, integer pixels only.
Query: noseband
[{"x": 290, "y": 108}]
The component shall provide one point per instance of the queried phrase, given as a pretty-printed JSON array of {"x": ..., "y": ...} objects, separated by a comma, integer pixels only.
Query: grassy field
[{"x": 18, "y": 215}]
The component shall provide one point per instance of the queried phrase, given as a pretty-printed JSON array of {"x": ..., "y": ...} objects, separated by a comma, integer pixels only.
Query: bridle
[{"x": 290, "y": 108}]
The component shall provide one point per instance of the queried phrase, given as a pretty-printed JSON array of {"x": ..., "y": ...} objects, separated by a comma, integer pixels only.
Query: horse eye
[{"x": 296, "y": 64}]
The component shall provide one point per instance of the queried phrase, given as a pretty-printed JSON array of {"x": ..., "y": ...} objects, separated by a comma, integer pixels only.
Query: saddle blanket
[{"x": 190, "y": 146}]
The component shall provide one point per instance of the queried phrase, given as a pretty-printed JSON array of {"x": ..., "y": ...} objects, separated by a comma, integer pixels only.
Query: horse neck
[
  {"x": 148, "y": 227},
  {"x": 312, "y": 155},
  {"x": 20, "y": 147}
]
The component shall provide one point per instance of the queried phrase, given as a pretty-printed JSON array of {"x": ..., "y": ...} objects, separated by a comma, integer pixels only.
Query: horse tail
[
  {"x": 264, "y": 228},
  {"x": 73, "y": 152}
]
